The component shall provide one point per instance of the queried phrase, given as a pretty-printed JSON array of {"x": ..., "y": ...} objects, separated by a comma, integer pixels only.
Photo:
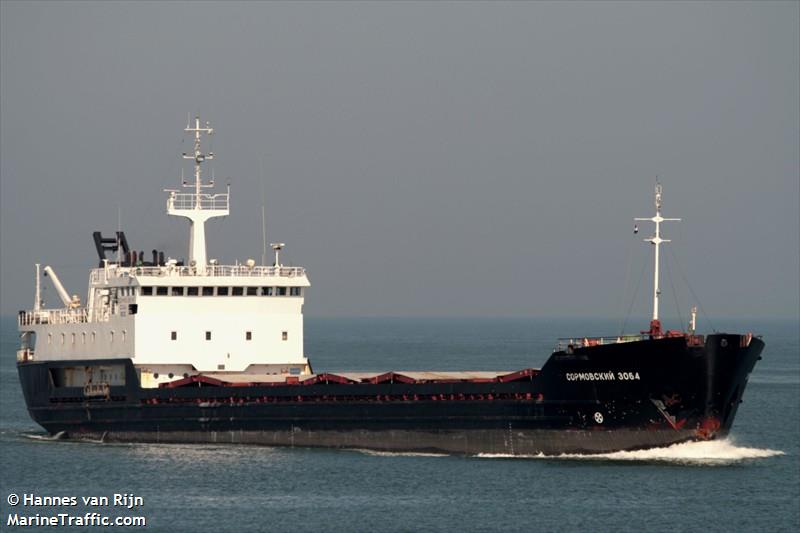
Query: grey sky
[{"x": 418, "y": 158}]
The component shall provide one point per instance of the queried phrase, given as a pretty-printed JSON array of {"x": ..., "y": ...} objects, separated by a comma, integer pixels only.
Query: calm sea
[{"x": 750, "y": 482}]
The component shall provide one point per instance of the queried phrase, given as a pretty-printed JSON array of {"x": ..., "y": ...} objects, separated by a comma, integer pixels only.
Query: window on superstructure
[
  {"x": 111, "y": 336},
  {"x": 173, "y": 335},
  {"x": 266, "y": 291},
  {"x": 238, "y": 291},
  {"x": 161, "y": 291},
  {"x": 252, "y": 291},
  {"x": 208, "y": 335},
  {"x": 62, "y": 338},
  {"x": 222, "y": 291},
  {"x": 177, "y": 291},
  {"x": 191, "y": 291},
  {"x": 124, "y": 335},
  {"x": 295, "y": 291},
  {"x": 285, "y": 335},
  {"x": 208, "y": 291},
  {"x": 73, "y": 338},
  {"x": 248, "y": 335},
  {"x": 94, "y": 336},
  {"x": 83, "y": 337},
  {"x": 281, "y": 291},
  {"x": 49, "y": 338}
]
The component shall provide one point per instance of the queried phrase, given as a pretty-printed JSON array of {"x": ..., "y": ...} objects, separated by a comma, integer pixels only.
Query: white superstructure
[{"x": 175, "y": 320}]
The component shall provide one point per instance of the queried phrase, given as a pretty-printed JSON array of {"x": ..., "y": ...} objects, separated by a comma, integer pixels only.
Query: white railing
[
  {"x": 53, "y": 316},
  {"x": 582, "y": 342},
  {"x": 102, "y": 275},
  {"x": 190, "y": 200}
]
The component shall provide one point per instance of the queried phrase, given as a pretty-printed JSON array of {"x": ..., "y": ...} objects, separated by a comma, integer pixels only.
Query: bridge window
[
  {"x": 295, "y": 291},
  {"x": 173, "y": 335},
  {"x": 161, "y": 291},
  {"x": 191, "y": 291},
  {"x": 177, "y": 291},
  {"x": 238, "y": 291},
  {"x": 266, "y": 291},
  {"x": 281, "y": 291},
  {"x": 222, "y": 291},
  {"x": 252, "y": 291},
  {"x": 208, "y": 291},
  {"x": 248, "y": 335}
]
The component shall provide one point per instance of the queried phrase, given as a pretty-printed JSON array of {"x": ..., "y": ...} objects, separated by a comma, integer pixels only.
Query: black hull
[{"x": 594, "y": 400}]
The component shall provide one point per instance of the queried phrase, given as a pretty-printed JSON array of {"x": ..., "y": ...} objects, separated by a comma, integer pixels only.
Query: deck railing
[
  {"x": 101, "y": 275},
  {"x": 53, "y": 316},
  {"x": 181, "y": 200},
  {"x": 581, "y": 342}
]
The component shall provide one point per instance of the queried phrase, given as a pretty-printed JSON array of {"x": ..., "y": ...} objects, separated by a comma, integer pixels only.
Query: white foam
[
  {"x": 379, "y": 453},
  {"x": 718, "y": 452}
]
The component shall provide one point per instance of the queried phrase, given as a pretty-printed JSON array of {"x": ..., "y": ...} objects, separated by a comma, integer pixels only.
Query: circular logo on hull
[{"x": 598, "y": 417}]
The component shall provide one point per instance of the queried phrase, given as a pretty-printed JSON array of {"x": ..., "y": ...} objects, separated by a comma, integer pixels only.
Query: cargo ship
[{"x": 200, "y": 352}]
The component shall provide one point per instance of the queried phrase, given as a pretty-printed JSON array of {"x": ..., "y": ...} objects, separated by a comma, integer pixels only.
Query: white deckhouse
[{"x": 174, "y": 320}]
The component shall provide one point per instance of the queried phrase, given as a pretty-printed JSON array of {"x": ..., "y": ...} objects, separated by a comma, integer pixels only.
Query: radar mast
[{"x": 198, "y": 206}]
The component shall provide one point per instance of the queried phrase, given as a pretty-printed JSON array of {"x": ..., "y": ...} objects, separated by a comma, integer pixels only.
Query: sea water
[{"x": 748, "y": 482}]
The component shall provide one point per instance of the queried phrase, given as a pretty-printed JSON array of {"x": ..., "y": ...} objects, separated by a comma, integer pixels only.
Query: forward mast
[{"x": 656, "y": 240}]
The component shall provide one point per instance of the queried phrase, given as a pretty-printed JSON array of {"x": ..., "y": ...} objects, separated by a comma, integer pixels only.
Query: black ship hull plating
[{"x": 594, "y": 399}]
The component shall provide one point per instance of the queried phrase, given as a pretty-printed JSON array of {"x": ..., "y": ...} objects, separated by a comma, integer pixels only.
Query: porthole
[
  {"x": 155, "y": 375},
  {"x": 171, "y": 375}
]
